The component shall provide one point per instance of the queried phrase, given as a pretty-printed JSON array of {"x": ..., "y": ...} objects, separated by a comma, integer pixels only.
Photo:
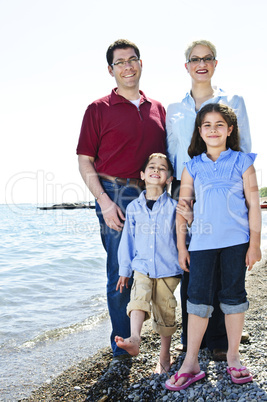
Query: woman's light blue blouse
[
  {"x": 220, "y": 211},
  {"x": 180, "y": 121}
]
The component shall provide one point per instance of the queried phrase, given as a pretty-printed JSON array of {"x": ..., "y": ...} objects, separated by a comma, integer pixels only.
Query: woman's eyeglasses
[{"x": 197, "y": 60}]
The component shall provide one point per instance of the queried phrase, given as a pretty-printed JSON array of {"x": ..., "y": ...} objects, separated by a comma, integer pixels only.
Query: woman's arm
[
  {"x": 186, "y": 194},
  {"x": 243, "y": 123},
  {"x": 251, "y": 192}
]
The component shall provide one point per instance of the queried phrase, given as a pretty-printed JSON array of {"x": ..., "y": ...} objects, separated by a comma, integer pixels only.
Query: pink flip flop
[
  {"x": 239, "y": 380},
  {"x": 191, "y": 378}
]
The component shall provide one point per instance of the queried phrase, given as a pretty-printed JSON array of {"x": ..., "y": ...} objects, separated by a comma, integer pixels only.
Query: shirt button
[
  {"x": 151, "y": 246},
  {"x": 150, "y": 260}
]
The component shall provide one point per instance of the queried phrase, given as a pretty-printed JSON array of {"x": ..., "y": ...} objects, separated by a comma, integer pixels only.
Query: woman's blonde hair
[{"x": 202, "y": 42}]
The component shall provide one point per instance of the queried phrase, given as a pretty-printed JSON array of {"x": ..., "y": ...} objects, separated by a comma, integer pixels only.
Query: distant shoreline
[{"x": 69, "y": 205}]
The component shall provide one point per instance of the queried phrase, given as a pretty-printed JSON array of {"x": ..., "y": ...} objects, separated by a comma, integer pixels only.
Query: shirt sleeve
[
  {"x": 190, "y": 167},
  {"x": 172, "y": 139},
  {"x": 240, "y": 110},
  {"x": 246, "y": 161},
  {"x": 126, "y": 250},
  {"x": 89, "y": 139}
]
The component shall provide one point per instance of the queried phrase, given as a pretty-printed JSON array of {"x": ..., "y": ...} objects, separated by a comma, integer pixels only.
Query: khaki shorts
[{"x": 156, "y": 295}]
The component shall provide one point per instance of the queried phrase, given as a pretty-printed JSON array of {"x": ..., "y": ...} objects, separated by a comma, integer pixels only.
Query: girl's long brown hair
[{"x": 197, "y": 145}]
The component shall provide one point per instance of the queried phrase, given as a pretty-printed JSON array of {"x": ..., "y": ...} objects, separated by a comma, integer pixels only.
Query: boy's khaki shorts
[{"x": 156, "y": 295}]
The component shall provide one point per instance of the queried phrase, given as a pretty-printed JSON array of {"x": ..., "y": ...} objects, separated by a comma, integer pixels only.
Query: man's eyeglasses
[
  {"x": 122, "y": 63},
  {"x": 197, "y": 60}
]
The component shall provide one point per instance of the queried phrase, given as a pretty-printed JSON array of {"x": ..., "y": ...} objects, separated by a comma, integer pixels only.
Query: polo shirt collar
[{"x": 115, "y": 98}]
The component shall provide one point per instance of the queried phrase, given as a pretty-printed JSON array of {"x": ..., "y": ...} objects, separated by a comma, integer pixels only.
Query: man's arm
[{"x": 112, "y": 213}]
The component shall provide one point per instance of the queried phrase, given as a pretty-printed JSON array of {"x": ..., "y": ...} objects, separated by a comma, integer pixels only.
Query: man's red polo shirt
[{"x": 121, "y": 136}]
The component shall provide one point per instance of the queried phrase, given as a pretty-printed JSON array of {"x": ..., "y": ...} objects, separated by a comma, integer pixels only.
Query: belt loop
[{"x": 127, "y": 182}]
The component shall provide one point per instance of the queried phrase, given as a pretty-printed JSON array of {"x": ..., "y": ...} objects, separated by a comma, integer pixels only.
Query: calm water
[{"x": 52, "y": 294}]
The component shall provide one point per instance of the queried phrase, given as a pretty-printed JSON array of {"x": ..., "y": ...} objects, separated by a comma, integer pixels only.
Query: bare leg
[
  {"x": 132, "y": 344},
  {"x": 165, "y": 362},
  {"x": 234, "y": 325},
  {"x": 196, "y": 330}
]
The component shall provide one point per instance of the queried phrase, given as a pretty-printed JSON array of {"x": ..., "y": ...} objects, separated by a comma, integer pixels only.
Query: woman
[{"x": 201, "y": 64}]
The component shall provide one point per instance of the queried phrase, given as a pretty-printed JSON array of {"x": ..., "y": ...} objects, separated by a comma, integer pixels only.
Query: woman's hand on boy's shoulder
[{"x": 253, "y": 255}]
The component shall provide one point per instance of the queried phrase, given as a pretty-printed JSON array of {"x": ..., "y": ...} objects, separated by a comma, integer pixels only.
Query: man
[{"x": 118, "y": 133}]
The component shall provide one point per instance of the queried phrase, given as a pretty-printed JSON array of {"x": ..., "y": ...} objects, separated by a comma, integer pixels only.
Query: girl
[{"x": 226, "y": 227}]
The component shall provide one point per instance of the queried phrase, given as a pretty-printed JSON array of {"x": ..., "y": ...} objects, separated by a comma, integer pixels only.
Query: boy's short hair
[
  {"x": 120, "y": 44},
  {"x": 202, "y": 42},
  {"x": 159, "y": 155}
]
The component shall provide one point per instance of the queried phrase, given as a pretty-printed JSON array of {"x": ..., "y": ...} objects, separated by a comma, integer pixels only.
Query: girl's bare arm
[{"x": 251, "y": 192}]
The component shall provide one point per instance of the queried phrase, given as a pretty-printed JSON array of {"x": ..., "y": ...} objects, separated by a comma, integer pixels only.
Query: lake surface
[{"x": 53, "y": 310}]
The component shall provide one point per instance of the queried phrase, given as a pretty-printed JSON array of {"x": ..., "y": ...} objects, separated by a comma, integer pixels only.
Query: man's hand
[{"x": 112, "y": 213}]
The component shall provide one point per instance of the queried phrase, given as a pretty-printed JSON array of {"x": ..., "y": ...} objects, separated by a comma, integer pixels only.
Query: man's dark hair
[{"x": 120, "y": 44}]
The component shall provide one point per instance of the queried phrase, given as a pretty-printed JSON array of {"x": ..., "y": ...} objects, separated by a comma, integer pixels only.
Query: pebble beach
[{"x": 91, "y": 380}]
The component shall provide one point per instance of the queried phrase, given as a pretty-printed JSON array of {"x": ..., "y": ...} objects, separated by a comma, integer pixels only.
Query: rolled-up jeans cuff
[
  {"x": 234, "y": 309},
  {"x": 202, "y": 310}
]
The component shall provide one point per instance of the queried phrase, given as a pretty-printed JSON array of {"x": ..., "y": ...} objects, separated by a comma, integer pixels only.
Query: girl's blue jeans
[
  {"x": 203, "y": 280},
  {"x": 117, "y": 302}
]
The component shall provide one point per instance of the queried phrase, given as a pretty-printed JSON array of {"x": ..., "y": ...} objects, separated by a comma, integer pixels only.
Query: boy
[
  {"x": 114, "y": 142},
  {"x": 148, "y": 247}
]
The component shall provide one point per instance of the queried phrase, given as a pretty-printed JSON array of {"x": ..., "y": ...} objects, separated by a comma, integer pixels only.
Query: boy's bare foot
[
  {"x": 131, "y": 345},
  {"x": 163, "y": 366}
]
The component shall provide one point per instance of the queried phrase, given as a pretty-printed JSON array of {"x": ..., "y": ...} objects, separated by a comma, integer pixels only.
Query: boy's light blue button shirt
[
  {"x": 180, "y": 122},
  {"x": 148, "y": 242}
]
